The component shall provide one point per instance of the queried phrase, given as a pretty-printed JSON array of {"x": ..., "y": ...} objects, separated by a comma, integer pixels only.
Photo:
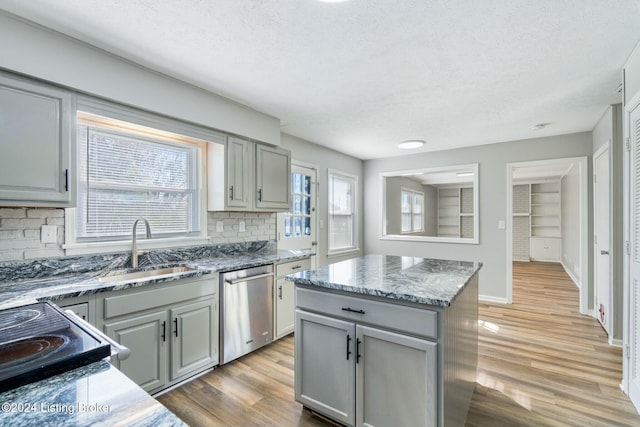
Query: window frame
[
  {"x": 354, "y": 214},
  {"x": 413, "y": 194},
  {"x": 158, "y": 125}
]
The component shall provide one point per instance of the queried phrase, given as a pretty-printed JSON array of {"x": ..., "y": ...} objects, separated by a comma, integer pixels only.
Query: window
[
  {"x": 342, "y": 212},
  {"x": 125, "y": 174},
  {"x": 412, "y": 206}
]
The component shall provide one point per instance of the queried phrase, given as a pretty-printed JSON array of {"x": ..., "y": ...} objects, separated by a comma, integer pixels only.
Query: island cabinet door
[
  {"x": 325, "y": 368},
  {"x": 395, "y": 379}
]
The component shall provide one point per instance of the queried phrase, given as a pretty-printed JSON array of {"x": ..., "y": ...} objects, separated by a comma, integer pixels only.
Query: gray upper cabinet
[
  {"x": 246, "y": 176},
  {"x": 273, "y": 178},
  {"x": 36, "y": 139}
]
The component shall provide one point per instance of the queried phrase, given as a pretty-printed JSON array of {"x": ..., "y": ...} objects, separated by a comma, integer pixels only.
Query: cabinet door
[
  {"x": 194, "y": 332},
  {"x": 147, "y": 338},
  {"x": 395, "y": 379},
  {"x": 285, "y": 307},
  {"x": 239, "y": 173},
  {"x": 36, "y": 144},
  {"x": 325, "y": 368},
  {"x": 273, "y": 178},
  {"x": 545, "y": 249}
]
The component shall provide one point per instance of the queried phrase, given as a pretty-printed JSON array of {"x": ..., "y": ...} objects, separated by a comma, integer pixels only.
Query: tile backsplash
[{"x": 20, "y": 230}]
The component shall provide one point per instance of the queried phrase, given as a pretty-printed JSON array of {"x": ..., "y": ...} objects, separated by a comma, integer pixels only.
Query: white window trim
[
  {"x": 127, "y": 114},
  {"x": 356, "y": 248},
  {"x": 413, "y": 193}
]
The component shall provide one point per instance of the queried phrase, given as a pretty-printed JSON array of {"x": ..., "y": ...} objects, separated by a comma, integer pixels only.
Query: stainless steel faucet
[{"x": 134, "y": 248}]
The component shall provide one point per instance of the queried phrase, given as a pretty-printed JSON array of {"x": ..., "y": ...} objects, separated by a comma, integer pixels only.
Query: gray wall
[
  {"x": 324, "y": 158},
  {"x": 609, "y": 128},
  {"x": 32, "y": 50},
  {"x": 570, "y": 211},
  {"x": 492, "y": 161}
]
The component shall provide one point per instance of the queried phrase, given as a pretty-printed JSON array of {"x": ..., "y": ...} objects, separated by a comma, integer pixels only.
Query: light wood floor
[{"x": 540, "y": 363}]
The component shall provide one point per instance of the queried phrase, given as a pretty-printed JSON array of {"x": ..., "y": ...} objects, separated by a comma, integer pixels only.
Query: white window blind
[
  {"x": 125, "y": 175},
  {"x": 412, "y": 206},
  {"x": 342, "y": 214}
]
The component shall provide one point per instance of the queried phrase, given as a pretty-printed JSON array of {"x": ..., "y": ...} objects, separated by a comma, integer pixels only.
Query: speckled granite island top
[
  {"x": 418, "y": 280},
  {"x": 96, "y": 395}
]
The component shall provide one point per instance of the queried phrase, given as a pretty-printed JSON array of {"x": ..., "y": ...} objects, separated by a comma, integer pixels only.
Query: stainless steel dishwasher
[{"x": 246, "y": 317}]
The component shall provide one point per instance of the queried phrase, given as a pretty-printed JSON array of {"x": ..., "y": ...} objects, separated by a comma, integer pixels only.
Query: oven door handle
[
  {"x": 249, "y": 278},
  {"x": 121, "y": 351}
]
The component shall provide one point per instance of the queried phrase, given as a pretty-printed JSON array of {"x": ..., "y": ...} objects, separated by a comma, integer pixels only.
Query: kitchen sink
[{"x": 146, "y": 274}]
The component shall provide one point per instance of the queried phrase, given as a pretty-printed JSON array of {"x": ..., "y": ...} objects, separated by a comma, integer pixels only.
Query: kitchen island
[{"x": 387, "y": 340}]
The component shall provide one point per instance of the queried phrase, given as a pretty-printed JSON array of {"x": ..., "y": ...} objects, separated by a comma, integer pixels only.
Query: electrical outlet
[
  {"x": 219, "y": 226},
  {"x": 242, "y": 227},
  {"x": 501, "y": 225},
  {"x": 49, "y": 234}
]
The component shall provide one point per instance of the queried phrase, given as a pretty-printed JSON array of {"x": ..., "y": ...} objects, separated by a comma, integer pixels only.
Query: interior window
[{"x": 412, "y": 206}]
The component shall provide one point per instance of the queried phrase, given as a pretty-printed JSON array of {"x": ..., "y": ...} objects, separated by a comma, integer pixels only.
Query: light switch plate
[
  {"x": 49, "y": 234},
  {"x": 501, "y": 225},
  {"x": 219, "y": 226}
]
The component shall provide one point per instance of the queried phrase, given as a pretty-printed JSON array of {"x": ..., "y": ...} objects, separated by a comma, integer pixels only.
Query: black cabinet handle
[
  {"x": 164, "y": 331},
  {"x": 176, "y": 323},
  {"x": 66, "y": 180},
  {"x": 351, "y": 310},
  {"x": 280, "y": 291},
  {"x": 348, "y": 346},
  {"x": 260, "y": 195},
  {"x": 295, "y": 267},
  {"x": 231, "y": 192},
  {"x": 358, "y": 342}
]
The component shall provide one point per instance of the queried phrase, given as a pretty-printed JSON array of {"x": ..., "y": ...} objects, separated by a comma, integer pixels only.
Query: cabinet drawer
[
  {"x": 285, "y": 268},
  {"x": 422, "y": 322},
  {"x": 155, "y": 296},
  {"x": 545, "y": 249}
]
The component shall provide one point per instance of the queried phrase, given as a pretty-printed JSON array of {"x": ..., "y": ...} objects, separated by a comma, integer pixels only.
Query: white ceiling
[{"x": 363, "y": 75}]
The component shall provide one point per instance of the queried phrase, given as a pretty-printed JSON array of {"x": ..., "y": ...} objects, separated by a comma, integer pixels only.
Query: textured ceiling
[{"x": 362, "y": 75}]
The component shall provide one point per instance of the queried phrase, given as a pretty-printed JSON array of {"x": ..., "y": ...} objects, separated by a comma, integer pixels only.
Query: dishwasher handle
[
  {"x": 248, "y": 278},
  {"x": 118, "y": 349}
]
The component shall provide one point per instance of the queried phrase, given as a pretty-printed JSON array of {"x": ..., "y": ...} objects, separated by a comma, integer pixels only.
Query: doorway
[
  {"x": 542, "y": 215},
  {"x": 296, "y": 229},
  {"x": 602, "y": 238}
]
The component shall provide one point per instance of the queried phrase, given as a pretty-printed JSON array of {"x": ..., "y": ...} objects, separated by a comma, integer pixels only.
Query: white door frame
[
  {"x": 314, "y": 195},
  {"x": 605, "y": 149},
  {"x": 584, "y": 226}
]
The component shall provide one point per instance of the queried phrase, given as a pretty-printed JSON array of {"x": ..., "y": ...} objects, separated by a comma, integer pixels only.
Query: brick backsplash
[
  {"x": 20, "y": 230},
  {"x": 20, "y": 233},
  {"x": 258, "y": 226}
]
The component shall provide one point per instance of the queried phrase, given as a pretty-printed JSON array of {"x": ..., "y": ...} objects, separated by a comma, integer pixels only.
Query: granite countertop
[
  {"x": 96, "y": 394},
  {"x": 418, "y": 280},
  {"x": 73, "y": 278}
]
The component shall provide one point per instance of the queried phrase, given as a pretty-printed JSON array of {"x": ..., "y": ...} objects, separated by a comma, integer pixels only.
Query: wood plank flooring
[{"x": 541, "y": 363}]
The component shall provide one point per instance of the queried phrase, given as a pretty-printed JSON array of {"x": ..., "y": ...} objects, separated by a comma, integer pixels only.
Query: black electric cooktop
[{"x": 39, "y": 340}]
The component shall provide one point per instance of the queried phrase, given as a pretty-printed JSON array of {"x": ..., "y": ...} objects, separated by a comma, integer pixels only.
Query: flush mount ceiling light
[{"x": 411, "y": 143}]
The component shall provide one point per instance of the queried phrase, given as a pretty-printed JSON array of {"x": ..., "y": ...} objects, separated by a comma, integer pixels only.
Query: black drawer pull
[{"x": 352, "y": 310}]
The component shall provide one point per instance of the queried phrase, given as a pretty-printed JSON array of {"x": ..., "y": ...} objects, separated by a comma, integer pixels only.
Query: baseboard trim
[
  {"x": 489, "y": 298},
  {"x": 570, "y": 274},
  {"x": 521, "y": 259}
]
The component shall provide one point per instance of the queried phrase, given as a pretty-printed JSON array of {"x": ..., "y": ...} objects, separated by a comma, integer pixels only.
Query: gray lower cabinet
[
  {"x": 360, "y": 374},
  {"x": 171, "y": 330},
  {"x": 195, "y": 336},
  {"x": 145, "y": 336},
  {"x": 284, "y": 296}
]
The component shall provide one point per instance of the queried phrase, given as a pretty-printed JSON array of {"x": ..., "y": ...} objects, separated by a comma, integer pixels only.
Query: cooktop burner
[{"x": 39, "y": 340}]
